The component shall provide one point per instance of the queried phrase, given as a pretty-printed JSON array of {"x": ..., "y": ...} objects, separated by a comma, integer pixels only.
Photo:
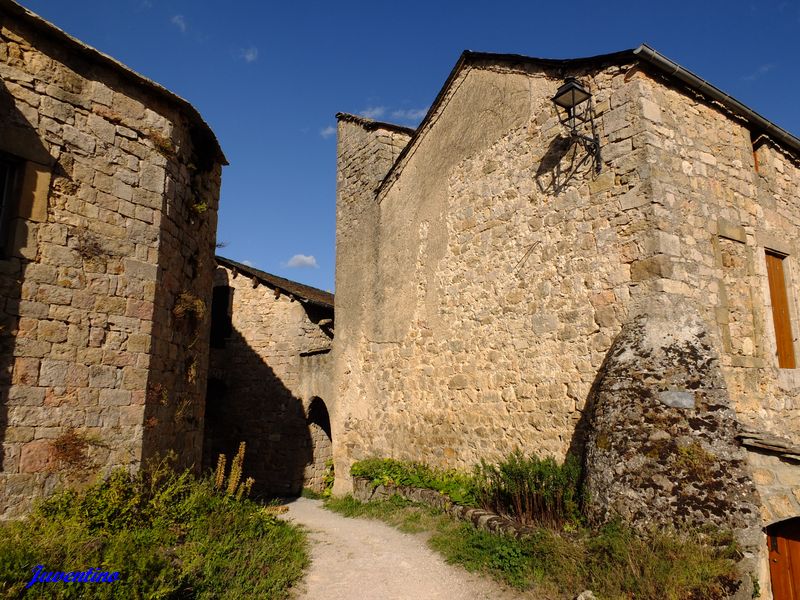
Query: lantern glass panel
[{"x": 571, "y": 94}]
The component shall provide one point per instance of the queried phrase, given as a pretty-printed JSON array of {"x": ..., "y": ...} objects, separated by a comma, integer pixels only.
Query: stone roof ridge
[
  {"x": 304, "y": 293},
  {"x": 93, "y": 54},
  {"x": 643, "y": 53},
  {"x": 372, "y": 124}
]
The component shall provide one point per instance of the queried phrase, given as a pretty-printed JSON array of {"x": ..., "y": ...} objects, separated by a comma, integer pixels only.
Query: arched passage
[
  {"x": 783, "y": 541},
  {"x": 319, "y": 427}
]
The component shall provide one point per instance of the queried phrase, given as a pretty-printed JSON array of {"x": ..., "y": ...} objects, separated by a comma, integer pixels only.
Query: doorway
[
  {"x": 319, "y": 427},
  {"x": 783, "y": 541}
]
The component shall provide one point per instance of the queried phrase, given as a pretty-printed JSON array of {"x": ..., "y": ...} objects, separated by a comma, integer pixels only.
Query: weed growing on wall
[{"x": 328, "y": 477}]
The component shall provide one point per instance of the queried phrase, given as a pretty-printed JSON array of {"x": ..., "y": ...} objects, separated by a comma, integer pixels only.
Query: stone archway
[{"x": 319, "y": 427}]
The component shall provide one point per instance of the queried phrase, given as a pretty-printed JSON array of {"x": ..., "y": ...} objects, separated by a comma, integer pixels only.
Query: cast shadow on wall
[
  {"x": 247, "y": 402},
  {"x": 20, "y": 146},
  {"x": 562, "y": 161}
]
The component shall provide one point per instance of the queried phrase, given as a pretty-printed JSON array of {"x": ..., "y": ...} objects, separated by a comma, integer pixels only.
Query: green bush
[
  {"x": 458, "y": 486},
  {"x": 531, "y": 490},
  {"x": 168, "y": 534}
]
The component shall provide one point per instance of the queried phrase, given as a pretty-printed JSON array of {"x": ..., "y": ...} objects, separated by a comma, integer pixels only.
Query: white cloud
[
  {"x": 328, "y": 131},
  {"x": 409, "y": 114},
  {"x": 373, "y": 112},
  {"x": 249, "y": 54},
  {"x": 299, "y": 261},
  {"x": 180, "y": 22},
  {"x": 759, "y": 72},
  {"x": 249, "y": 263}
]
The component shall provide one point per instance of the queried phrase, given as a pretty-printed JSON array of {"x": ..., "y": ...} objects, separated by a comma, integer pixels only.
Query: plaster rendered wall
[
  {"x": 257, "y": 389},
  {"x": 502, "y": 276},
  {"x": 714, "y": 215},
  {"x": 101, "y": 247}
]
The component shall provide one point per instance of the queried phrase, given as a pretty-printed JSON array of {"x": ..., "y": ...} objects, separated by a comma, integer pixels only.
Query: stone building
[
  {"x": 109, "y": 186},
  {"x": 502, "y": 284},
  {"x": 269, "y": 377}
]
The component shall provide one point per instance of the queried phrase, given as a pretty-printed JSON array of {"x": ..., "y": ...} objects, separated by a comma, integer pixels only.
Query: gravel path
[{"x": 365, "y": 559}]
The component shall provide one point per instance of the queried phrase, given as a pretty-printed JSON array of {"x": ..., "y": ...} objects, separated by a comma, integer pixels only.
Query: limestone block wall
[
  {"x": 718, "y": 203},
  {"x": 504, "y": 272},
  {"x": 256, "y": 390},
  {"x": 365, "y": 154},
  {"x": 114, "y": 220}
]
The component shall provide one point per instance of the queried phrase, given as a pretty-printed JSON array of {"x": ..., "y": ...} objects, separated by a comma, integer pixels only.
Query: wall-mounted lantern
[{"x": 578, "y": 113}]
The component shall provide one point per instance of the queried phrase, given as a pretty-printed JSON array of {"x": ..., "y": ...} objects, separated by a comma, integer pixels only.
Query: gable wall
[{"x": 478, "y": 345}]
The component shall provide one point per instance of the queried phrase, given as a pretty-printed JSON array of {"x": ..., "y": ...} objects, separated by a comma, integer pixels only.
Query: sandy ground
[{"x": 368, "y": 560}]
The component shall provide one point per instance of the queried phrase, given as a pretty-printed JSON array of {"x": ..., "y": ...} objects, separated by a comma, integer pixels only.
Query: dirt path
[{"x": 361, "y": 559}]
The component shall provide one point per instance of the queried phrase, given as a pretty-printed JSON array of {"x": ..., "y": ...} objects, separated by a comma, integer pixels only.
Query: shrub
[
  {"x": 531, "y": 490},
  {"x": 168, "y": 534},
  {"x": 459, "y": 487}
]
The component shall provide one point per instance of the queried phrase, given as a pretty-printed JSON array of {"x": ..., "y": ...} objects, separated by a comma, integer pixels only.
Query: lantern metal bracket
[{"x": 577, "y": 115}]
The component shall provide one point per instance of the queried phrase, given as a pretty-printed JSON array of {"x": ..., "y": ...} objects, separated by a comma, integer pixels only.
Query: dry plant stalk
[
  {"x": 236, "y": 470},
  {"x": 219, "y": 475},
  {"x": 244, "y": 489}
]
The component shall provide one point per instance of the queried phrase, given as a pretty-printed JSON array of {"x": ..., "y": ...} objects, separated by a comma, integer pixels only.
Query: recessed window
[
  {"x": 10, "y": 173},
  {"x": 780, "y": 309},
  {"x": 221, "y": 326}
]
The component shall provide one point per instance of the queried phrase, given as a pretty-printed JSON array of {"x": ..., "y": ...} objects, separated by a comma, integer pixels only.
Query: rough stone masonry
[
  {"x": 487, "y": 270},
  {"x": 110, "y": 190}
]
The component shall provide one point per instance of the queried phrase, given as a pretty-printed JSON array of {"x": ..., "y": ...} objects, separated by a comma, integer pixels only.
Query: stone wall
[
  {"x": 366, "y": 150},
  {"x": 505, "y": 267},
  {"x": 257, "y": 393},
  {"x": 114, "y": 220},
  {"x": 715, "y": 211},
  {"x": 503, "y": 274},
  {"x": 662, "y": 445}
]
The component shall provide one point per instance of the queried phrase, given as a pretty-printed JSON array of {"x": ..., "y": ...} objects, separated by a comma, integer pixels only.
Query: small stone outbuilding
[
  {"x": 109, "y": 186},
  {"x": 269, "y": 378},
  {"x": 501, "y": 285}
]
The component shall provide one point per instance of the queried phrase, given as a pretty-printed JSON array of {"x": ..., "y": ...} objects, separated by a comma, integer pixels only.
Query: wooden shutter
[{"x": 780, "y": 310}]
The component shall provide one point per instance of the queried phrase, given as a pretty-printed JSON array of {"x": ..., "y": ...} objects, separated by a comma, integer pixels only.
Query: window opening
[
  {"x": 221, "y": 325},
  {"x": 780, "y": 310},
  {"x": 9, "y": 169}
]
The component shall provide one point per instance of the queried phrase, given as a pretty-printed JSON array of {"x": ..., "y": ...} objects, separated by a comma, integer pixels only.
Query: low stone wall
[{"x": 485, "y": 520}]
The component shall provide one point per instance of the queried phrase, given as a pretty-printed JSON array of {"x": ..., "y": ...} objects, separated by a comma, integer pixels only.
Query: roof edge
[
  {"x": 469, "y": 57},
  {"x": 372, "y": 125},
  {"x": 672, "y": 69},
  {"x": 305, "y": 293},
  {"x": 49, "y": 29},
  {"x": 643, "y": 52}
]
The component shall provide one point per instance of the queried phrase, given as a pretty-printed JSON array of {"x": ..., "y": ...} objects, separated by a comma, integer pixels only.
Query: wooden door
[{"x": 783, "y": 540}]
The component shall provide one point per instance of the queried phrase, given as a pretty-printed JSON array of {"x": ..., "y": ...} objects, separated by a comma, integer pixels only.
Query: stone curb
[{"x": 481, "y": 519}]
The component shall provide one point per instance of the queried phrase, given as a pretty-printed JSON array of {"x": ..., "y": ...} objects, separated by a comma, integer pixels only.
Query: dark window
[
  {"x": 221, "y": 326},
  {"x": 9, "y": 185},
  {"x": 780, "y": 310}
]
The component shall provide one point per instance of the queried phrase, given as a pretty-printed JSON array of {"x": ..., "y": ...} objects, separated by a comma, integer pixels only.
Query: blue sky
[{"x": 269, "y": 78}]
